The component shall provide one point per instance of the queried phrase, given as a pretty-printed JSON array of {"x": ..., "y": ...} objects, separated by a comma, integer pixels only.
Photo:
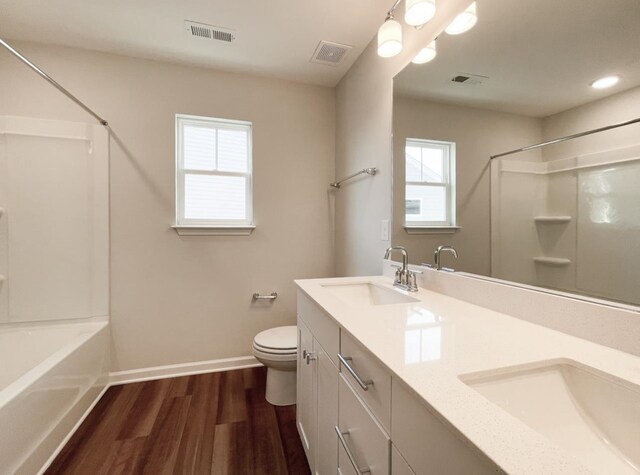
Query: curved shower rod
[{"x": 22, "y": 58}]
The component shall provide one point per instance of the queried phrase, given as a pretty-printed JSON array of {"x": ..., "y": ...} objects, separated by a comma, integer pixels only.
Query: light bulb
[
  {"x": 425, "y": 54},
  {"x": 418, "y": 12},
  {"x": 605, "y": 82},
  {"x": 389, "y": 38},
  {"x": 464, "y": 21}
]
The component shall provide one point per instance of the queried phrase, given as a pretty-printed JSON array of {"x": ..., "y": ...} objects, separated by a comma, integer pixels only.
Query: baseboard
[{"x": 184, "y": 369}]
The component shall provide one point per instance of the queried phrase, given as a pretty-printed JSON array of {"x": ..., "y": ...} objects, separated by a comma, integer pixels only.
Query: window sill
[
  {"x": 184, "y": 230},
  {"x": 431, "y": 229}
]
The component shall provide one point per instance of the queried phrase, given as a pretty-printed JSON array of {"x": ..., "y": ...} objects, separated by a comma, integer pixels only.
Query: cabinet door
[
  {"x": 306, "y": 408},
  {"x": 327, "y": 374}
]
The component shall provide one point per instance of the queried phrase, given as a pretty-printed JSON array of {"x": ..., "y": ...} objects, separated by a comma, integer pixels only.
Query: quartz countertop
[{"x": 429, "y": 344}]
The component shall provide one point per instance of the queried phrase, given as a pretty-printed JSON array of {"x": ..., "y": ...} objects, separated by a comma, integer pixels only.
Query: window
[
  {"x": 213, "y": 173},
  {"x": 430, "y": 184}
]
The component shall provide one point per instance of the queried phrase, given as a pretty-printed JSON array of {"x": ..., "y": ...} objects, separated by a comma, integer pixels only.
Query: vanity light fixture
[
  {"x": 418, "y": 12},
  {"x": 464, "y": 21},
  {"x": 605, "y": 82},
  {"x": 389, "y": 37},
  {"x": 425, "y": 54}
]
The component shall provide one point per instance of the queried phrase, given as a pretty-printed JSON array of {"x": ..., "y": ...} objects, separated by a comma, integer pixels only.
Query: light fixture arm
[{"x": 393, "y": 9}]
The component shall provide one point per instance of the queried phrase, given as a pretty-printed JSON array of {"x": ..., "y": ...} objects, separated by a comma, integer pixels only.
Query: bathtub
[{"x": 50, "y": 376}]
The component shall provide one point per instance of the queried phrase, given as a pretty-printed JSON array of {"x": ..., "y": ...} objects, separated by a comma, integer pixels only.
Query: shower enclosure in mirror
[{"x": 565, "y": 216}]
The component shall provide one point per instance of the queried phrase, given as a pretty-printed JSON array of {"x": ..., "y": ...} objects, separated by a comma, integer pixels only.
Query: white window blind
[
  {"x": 429, "y": 183},
  {"x": 213, "y": 172}
]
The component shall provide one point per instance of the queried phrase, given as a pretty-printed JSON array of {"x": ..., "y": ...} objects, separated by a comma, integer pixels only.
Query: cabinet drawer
[
  {"x": 428, "y": 444},
  {"x": 377, "y": 396},
  {"x": 344, "y": 465},
  {"x": 322, "y": 326},
  {"x": 362, "y": 436}
]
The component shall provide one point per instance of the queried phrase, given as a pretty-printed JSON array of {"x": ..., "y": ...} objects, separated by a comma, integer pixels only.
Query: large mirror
[{"x": 564, "y": 216}]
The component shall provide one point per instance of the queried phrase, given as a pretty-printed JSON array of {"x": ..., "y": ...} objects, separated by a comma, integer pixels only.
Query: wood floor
[{"x": 216, "y": 423}]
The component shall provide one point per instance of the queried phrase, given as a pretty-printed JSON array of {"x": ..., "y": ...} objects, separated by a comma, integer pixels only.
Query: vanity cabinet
[{"x": 353, "y": 415}]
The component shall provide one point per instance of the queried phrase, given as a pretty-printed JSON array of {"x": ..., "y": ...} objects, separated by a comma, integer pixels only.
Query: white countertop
[{"x": 463, "y": 338}]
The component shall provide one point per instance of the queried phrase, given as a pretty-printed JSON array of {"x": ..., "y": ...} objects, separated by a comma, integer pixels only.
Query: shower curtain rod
[
  {"x": 568, "y": 137},
  {"x": 22, "y": 58}
]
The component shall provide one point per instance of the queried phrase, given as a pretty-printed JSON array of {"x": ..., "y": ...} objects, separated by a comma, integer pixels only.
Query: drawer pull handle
[
  {"x": 345, "y": 362},
  {"x": 352, "y": 459},
  {"x": 307, "y": 356}
]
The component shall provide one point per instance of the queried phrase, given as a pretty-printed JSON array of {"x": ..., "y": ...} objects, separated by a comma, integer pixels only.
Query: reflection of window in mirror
[{"x": 430, "y": 183}]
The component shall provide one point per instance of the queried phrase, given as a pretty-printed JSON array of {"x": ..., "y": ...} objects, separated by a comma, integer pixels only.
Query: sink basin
[
  {"x": 591, "y": 414},
  {"x": 367, "y": 294}
]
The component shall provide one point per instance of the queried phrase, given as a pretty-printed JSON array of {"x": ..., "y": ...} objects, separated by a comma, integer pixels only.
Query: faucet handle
[
  {"x": 398, "y": 276},
  {"x": 412, "y": 281}
]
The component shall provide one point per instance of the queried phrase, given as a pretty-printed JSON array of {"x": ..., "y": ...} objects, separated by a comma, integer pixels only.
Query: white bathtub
[{"x": 50, "y": 375}]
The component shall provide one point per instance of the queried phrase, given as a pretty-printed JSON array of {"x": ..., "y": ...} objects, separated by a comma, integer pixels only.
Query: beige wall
[
  {"x": 478, "y": 134},
  {"x": 364, "y": 100},
  {"x": 182, "y": 299}
]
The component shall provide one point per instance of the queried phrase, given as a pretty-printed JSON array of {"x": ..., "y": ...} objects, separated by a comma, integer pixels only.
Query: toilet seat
[
  {"x": 277, "y": 341},
  {"x": 271, "y": 351},
  {"x": 266, "y": 357}
]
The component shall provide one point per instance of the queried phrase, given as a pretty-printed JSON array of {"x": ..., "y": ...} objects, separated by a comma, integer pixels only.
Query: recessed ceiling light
[{"x": 605, "y": 82}]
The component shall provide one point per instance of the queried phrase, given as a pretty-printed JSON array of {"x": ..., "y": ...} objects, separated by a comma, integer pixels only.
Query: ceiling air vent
[
  {"x": 209, "y": 32},
  {"x": 331, "y": 54},
  {"x": 467, "y": 79}
]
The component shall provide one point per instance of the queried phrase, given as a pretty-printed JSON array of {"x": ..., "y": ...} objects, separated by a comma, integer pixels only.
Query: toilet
[{"x": 277, "y": 349}]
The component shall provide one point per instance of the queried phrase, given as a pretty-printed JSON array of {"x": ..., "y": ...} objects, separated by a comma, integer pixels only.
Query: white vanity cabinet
[{"x": 354, "y": 416}]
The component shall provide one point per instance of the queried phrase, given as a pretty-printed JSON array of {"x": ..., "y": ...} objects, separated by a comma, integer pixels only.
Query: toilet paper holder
[{"x": 272, "y": 296}]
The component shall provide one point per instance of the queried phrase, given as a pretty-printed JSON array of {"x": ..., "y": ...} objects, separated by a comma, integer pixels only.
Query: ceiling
[
  {"x": 540, "y": 56},
  {"x": 273, "y": 37}
]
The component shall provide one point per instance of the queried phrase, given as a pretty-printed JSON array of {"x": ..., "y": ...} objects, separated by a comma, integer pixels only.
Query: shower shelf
[
  {"x": 552, "y": 261},
  {"x": 552, "y": 219}
]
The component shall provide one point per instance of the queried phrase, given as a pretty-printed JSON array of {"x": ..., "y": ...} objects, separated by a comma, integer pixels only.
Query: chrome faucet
[
  {"x": 438, "y": 258},
  {"x": 404, "y": 279}
]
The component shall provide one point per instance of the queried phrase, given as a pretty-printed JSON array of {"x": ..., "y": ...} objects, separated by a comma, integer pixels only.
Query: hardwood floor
[{"x": 216, "y": 423}]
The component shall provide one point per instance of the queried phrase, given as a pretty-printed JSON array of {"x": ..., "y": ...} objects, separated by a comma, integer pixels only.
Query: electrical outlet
[{"x": 384, "y": 229}]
